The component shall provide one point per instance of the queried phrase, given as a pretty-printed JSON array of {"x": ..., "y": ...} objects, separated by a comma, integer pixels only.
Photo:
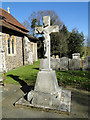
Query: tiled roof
[
  {"x": 32, "y": 39},
  {"x": 8, "y": 21}
]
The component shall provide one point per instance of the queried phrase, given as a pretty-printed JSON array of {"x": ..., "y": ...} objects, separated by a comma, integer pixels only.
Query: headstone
[
  {"x": 57, "y": 56},
  {"x": 47, "y": 93},
  {"x": 76, "y": 56},
  {"x": 53, "y": 56},
  {"x": 74, "y": 64},
  {"x": 86, "y": 63},
  {"x": 64, "y": 63},
  {"x": 55, "y": 63}
]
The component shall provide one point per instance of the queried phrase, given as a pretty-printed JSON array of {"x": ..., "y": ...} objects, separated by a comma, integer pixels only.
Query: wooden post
[{"x": 4, "y": 78}]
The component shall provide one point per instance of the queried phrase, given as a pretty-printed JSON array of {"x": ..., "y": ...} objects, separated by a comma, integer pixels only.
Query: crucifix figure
[{"x": 46, "y": 30}]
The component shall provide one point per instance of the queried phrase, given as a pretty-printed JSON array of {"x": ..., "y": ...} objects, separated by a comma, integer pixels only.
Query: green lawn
[
  {"x": 27, "y": 75},
  {"x": 1, "y": 75}
]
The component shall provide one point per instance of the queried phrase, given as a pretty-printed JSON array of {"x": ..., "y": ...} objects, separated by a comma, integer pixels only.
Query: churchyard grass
[
  {"x": 0, "y": 75},
  {"x": 76, "y": 79},
  {"x": 28, "y": 74}
]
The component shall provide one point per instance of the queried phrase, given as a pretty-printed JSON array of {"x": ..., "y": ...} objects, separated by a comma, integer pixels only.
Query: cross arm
[{"x": 54, "y": 28}]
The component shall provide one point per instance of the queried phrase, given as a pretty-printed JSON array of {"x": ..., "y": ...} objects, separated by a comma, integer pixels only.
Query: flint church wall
[{"x": 15, "y": 59}]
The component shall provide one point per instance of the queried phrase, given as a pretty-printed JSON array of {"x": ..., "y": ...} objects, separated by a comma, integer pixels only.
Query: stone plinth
[
  {"x": 47, "y": 93},
  {"x": 59, "y": 101},
  {"x": 44, "y": 64},
  {"x": 46, "y": 82}
]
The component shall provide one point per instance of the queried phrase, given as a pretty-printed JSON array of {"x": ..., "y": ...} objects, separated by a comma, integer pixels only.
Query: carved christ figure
[{"x": 46, "y": 30}]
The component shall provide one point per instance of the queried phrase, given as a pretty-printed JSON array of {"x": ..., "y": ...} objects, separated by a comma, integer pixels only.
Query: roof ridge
[
  {"x": 4, "y": 10},
  {"x": 15, "y": 19}
]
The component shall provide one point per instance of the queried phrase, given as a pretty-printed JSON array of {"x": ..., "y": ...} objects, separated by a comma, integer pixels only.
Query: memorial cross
[{"x": 46, "y": 30}]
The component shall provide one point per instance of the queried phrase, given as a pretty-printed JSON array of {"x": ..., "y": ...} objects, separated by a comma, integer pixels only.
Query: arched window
[
  {"x": 8, "y": 45},
  {"x": 11, "y": 45}
]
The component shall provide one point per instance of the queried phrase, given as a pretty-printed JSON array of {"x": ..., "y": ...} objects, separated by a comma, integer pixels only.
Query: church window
[
  {"x": 8, "y": 46},
  {"x": 12, "y": 46}
]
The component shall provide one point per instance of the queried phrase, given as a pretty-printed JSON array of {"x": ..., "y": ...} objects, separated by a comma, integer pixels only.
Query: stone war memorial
[{"x": 47, "y": 93}]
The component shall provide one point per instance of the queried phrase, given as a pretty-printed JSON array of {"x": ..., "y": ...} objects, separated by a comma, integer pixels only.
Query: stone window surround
[{"x": 12, "y": 37}]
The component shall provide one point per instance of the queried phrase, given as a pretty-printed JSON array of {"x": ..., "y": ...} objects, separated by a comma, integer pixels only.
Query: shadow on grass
[
  {"x": 25, "y": 87},
  {"x": 36, "y": 68}
]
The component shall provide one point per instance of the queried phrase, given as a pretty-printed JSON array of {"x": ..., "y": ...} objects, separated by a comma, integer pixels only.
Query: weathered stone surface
[
  {"x": 64, "y": 63},
  {"x": 57, "y": 56},
  {"x": 74, "y": 64},
  {"x": 28, "y": 55},
  {"x": 47, "y": 93},
  {"x": 22, "y": 48},
  {"x": 46, "y": 82},
  {"x": 13, "y": 61},
  {"x": 86, "y": 63},
  {"x": 60, "y": 100},
  {"x": 46, "y": 30},
  {"x": 76, "y": 56},
  {"x": 44, "y": 64},
  {"x": 55, "y": 63}
]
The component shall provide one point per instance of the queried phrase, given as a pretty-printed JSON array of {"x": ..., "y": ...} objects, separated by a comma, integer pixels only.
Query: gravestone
[
  {"x": 64, "y": 63},
  {"x": 76, "y": 56},
  {"x": 74, "y": 63},
  {"x": 55, "y": 63},
  {"x": 53, "y": 56},
  {"x": 47, "y": 93},
  {"x": 57, "y": 56},
  {"x": 86, "y": 63}
]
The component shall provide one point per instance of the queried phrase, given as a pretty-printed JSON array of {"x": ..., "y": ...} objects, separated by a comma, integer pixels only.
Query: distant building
[{"x": 17, "y": 48}]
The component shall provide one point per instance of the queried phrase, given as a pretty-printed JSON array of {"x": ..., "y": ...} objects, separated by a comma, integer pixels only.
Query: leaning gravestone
[
  {"x": 64, "y": 63},
  {"x": 86, "y": 63},
  {"x": 47, "y": 93}
]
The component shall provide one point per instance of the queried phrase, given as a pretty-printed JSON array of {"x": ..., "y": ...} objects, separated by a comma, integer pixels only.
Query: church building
[{"x": 17, "y": 48}]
